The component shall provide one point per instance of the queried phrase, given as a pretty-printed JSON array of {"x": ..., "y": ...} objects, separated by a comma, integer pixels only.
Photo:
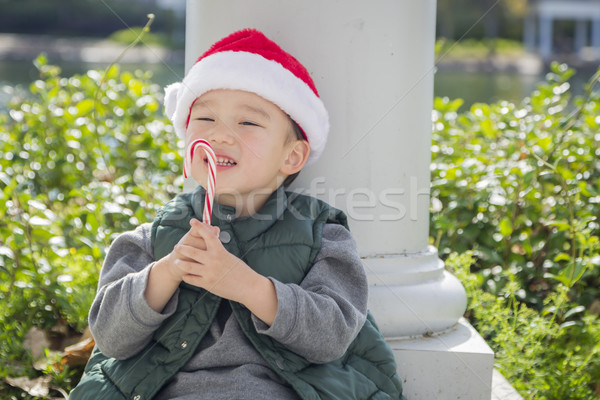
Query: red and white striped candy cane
[{"x": 212, "y": 172}]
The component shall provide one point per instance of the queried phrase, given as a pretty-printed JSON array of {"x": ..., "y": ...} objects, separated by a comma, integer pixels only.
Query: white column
[{"x": 373, "y": 64}]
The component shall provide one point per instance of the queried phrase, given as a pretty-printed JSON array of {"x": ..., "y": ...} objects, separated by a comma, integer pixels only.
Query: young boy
[{"x": 271, "y": 301}]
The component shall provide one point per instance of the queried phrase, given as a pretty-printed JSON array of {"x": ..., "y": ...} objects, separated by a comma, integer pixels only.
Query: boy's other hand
[
  {"x": 200, "y": 259},
  {"x": 193, "y": 240},
  {"x": 205, "y": 263},
  {"x": 196, "y": 239},
  {"x": 168, "y": 272}
]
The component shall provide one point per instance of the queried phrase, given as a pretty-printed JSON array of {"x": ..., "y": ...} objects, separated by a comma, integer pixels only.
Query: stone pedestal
[{"x": 455, "y": 364}]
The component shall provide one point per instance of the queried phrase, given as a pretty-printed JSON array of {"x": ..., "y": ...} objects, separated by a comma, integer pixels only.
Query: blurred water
[
  {"x": 14, "y": 73},
  {"x": 487, "y": 87},
  {"x": 472, "y": 87},
  {"x": 490, "y": 87}
]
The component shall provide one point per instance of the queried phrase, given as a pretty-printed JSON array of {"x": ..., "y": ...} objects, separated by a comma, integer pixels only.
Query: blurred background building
[{"x": 583, "y": 17}]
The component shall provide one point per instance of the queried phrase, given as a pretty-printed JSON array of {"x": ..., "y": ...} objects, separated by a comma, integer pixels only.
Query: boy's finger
[
  {"x": 193, "y": 238},
  {"x": 207, "y": 232},
  {"x": 189, "y": 253},
  {"x": 195, "y": 222}
]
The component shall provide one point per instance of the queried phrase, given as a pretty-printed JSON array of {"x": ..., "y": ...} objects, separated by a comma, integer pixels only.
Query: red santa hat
[{"x": 248, "y": 60}]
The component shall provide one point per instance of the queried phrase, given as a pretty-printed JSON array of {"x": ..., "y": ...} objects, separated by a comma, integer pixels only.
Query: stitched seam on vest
[
  {"x": 374, "y": 381},
  {"x": 113, "y": 383}
]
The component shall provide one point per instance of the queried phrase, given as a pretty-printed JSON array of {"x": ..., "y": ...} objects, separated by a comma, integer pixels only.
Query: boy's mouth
[{"x": 223, "y": 161}]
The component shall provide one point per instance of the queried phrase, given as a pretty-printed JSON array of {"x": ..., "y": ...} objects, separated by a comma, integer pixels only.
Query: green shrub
[
  {"x": 552, "y": 354},
  {"x": 81, "y": 159},
  {"x": 520, "y": 186},
  {"x": 516, "y": 191}
]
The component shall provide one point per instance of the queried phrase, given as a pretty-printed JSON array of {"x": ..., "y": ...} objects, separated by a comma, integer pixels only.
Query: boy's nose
[{"x": 222, "y": 133}]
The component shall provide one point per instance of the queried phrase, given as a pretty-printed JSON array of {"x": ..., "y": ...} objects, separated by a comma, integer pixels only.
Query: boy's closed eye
[{"x": 249, "y": 123}]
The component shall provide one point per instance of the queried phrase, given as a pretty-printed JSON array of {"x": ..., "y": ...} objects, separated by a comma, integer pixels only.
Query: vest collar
[{"x": 245, "y": 228}]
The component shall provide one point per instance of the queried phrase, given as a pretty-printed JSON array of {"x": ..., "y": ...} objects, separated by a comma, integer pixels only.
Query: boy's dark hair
[{"x": 297, "y": 135}]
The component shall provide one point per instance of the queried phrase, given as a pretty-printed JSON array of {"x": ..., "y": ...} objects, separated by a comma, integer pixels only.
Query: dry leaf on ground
[{"x": 39, "y": 387}]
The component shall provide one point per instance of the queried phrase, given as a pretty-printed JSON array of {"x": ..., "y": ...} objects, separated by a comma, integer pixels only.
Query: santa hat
[{"x": 248, "y": 60}]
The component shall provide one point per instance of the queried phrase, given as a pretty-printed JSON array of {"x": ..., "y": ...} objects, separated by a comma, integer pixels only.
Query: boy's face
[{"x": 251, "y": 139}]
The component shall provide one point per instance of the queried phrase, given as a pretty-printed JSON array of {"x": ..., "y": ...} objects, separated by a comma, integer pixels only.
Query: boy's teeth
[{"x": 224, "y": 161}]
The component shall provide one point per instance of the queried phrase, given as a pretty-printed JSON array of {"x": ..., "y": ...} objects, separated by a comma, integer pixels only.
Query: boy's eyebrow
[
  {"x": 198, "y": 103},
  {"x": 247, "y": 107},
  {"x": 256, "y": 110}
]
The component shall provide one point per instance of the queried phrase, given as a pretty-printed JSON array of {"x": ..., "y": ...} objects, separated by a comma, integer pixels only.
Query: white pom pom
[{"x": 171, "y": 94}]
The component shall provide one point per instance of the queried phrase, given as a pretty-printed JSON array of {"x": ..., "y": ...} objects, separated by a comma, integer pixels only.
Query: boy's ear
[{"x": 297, "y": 157}]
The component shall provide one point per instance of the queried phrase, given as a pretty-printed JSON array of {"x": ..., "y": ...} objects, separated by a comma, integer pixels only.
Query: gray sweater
[{"x": 317, "y": 319}]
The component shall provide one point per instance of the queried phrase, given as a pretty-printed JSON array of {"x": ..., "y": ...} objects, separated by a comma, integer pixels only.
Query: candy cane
[{"x": 212, "y": 172}]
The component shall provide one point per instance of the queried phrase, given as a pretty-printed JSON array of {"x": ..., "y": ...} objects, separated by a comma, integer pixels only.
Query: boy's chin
[{"x": 226, "y": 196}]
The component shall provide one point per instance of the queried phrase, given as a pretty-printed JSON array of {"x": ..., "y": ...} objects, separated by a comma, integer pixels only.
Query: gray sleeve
[
  {"x": 120, "y": 319},
  {"x": 319, "y": 318}
]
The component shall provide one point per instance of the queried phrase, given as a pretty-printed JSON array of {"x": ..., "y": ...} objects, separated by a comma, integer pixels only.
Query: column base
[
  {"x": 456, "y": 364},
  {"x": 412, "y": 294}
]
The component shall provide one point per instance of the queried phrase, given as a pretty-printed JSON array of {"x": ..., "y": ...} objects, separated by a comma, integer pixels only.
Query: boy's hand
[
  {"x": 191, "y": 239},
  {"x": 168, "y": 272},
  {"x": 203, "y": 261}
]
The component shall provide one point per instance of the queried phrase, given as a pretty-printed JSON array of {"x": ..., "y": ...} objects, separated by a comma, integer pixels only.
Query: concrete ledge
[
  {"x": 502, "y": 389},
  {"x": 456, "y": 364}
]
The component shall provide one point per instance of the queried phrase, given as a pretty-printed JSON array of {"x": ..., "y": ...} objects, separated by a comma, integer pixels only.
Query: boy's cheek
[
  {"x": 198, "y": 174},
  {"x": 191, "y": 135}
]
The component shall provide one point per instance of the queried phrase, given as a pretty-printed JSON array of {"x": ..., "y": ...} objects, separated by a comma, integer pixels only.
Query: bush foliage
[
  {"x": 80, "y": 160},
  {"x": 553, "y": 354},
  {"x": 518, "y": 187}
]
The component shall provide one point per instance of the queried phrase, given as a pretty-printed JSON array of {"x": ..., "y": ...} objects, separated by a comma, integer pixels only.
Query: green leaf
[
  {"x": 567, "y": 324},
  {"x": 572, "y": 273},
  {"x": 85, "y": 106},
  {"x": 562, "y": 257},
  {"x": 561, "y": 225},
  {"x": 38, "y": 221},
  {"x": 6, "y": 251},
  {"x": 96, "y": 252},
  {"x": 91, "y": 219},
  {"x": 506, "y": 228},
  {"x": 87, "y": 242},
  {"x": 488, "y": 128},
  {"x": 545, "y": 143},
  {"x": 573, "y": 311},
  {"x": 562, "y": 279}
]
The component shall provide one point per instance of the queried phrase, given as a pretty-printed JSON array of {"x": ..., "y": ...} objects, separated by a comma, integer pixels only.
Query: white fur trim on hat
[
  {"x": 171, "y": 93},
  {"x": 238, "y": 70}
]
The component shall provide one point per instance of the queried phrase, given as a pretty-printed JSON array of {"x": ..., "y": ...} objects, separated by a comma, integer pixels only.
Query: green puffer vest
[{"x": 286, "y": 231}]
